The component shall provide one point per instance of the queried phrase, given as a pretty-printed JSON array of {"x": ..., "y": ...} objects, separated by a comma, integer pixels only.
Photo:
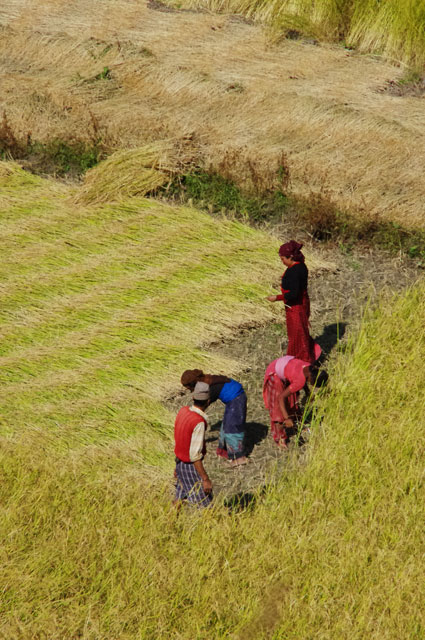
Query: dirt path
[{"x": 337, "y": 301}]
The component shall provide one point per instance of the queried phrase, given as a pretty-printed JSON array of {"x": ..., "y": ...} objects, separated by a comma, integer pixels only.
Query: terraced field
[
  {"x": 107, "y": 295},
  {"x": 104, "y": 305}
]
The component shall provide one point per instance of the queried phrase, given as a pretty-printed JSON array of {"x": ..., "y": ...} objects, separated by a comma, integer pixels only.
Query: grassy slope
[
  {"x": 218, "y": 85},
  {"x": 88, "y": 548},
  {"x": 102, "y": 306}
]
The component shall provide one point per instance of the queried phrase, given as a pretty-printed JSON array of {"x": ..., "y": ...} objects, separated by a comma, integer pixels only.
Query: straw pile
[{"x": 128, "y": 173}]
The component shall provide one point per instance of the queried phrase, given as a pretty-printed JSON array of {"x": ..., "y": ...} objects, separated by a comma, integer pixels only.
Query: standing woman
[
  {"x": 232, "y": 433},
  {"x": 297, "y": 303}
]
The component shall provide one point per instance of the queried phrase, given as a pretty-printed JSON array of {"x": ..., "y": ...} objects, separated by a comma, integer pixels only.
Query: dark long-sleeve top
[
  {"x": 294, "y": 283},
  {"x": 215, "y": 390}
]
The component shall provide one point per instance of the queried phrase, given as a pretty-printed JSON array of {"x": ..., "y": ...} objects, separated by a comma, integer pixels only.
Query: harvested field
[
  {"x": 91, "y": 548},
  {"x": 128, "y": 74},
  {"x": 338, "y": 299},
  {"x": 102, "y": 305},
  {"x": 106, "y": 295},
  {"x": 393, "y": 29}
]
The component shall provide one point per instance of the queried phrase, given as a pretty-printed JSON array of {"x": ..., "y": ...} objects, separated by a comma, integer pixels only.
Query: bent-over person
[
  {"x": 283, "y": 380},
  {"x": 231, "y": 445}
]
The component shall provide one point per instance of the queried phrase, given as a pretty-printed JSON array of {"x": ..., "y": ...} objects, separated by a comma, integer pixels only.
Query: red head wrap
[{"x": 292, "y": 250}]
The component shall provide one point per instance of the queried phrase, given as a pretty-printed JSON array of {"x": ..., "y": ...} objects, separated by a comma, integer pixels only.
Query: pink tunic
[{"x": 280, "y": 373}]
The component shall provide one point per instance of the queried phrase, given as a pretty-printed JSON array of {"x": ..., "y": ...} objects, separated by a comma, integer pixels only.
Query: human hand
[
  {"x": 288, "y": 422},
  {"x": 207, "y": 484},
  {"x": 271, "y": 298}
]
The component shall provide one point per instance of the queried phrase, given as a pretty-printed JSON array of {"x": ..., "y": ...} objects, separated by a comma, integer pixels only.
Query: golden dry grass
[
  {"x": 127, "y": 173},
  {"x": 393, "y": 29},
  {"x": 103, "y": 305},
  {"x": 91, "y": 550},
  {"x": 218, "y": 83}
]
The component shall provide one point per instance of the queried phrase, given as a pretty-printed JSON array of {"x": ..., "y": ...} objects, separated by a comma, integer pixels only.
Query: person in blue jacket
[{"x": 231, "y": 443}]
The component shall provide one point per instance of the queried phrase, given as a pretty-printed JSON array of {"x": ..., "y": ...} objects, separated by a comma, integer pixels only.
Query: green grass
[
  {"x": 102, "y": 307},
  {"x": 212, "y": 191},
  {"x": 331, "y": 550},
  {"x": 62, "y": 158},
  {"x": 316, "y": 213},
  {"x": 55, "y": 157}
]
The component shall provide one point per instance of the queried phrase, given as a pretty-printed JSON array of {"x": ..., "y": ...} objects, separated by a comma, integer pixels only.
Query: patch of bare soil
[
  {"x": 415, "y": 89},
  {"x": 156, "y": 5},
  {"x": 337, "y": 301}
]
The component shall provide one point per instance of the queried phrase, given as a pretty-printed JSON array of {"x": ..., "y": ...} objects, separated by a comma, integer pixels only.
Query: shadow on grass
[
  {"x": 255, "y": 432},
  {"x": 213, "y": 437},
  {"x": 244, "y": 500},
  {"x": 331, "y": 335}
]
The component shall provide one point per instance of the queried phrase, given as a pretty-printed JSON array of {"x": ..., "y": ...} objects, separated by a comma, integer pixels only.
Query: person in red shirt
[
  {"x": 283, "y": 380},
  {"x": 297, "y": 303},
  {"x": 192, "y": 481}
]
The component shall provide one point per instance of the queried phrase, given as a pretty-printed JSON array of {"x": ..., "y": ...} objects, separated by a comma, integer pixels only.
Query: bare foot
[
  {"x": 282, "y": 444},
  {"x": 238, "y": 462}
]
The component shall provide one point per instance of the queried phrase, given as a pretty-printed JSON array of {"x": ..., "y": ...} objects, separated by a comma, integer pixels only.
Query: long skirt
[
  {"x": 272, "y": 390},
  {"x": 300, "y": 344},
  {"x": 232, "y": 433}
]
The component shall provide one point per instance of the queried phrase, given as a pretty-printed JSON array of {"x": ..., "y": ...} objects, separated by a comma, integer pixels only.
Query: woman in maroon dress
[{"x": 297, "y": 303}]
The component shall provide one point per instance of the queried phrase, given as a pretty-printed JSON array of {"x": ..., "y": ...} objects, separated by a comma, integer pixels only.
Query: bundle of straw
[{"x": 132, "y": 172}]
